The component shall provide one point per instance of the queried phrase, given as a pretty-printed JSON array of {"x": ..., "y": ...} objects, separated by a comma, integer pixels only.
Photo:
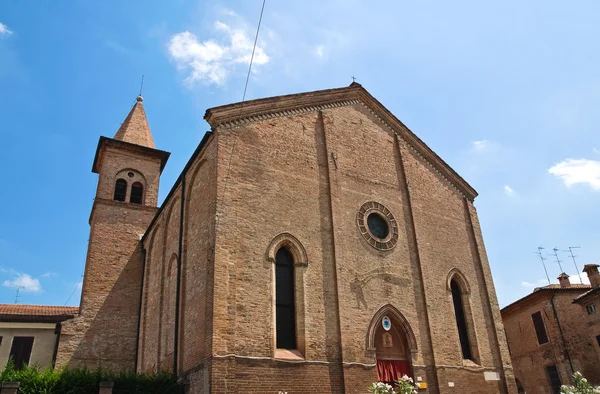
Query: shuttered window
[
  {"x": 20, "y": 351},
  {"x": 553, "y": 379},
  {"x": 137, "y": 193},
  {"x": 120, "y": 190},
  {"x": 540, "y": 329}
]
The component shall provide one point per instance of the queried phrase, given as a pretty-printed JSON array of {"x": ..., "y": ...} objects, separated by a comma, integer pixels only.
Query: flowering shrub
[
  {"x": 405, "y": 385},
  {"x": 382, "y": 388},
  {"x": 581, "y": 386}
]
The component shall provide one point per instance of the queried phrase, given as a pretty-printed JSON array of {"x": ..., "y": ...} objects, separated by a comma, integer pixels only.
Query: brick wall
[
  {"x": 305, "y": 176},
  {"x": 157, "y": 334},
  {"x": 113, "y": 271},
  {"x": 308, "y": 175},
  {"x": 577, "y": 341}
]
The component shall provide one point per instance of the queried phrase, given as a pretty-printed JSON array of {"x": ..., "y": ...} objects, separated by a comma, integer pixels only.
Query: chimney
[
  {"x": 563, "y": 279},
  {"x": 592, "y": 272}
]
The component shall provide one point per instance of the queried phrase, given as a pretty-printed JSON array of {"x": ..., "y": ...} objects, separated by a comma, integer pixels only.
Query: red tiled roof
[
  {"x": 549, "y": 289},
  {"x": 36, "y": 313},
  {"x": 556, "y": 286},
  {"x": 584, "y": 295}
]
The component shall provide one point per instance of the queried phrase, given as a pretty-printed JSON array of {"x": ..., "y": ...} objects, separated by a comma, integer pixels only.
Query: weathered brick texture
[
  {"x": 297, "y": 178},
  {"x": 571, "y": 331},
  {"x": 105, "y": 332},
  {"x": 306, "y": 175}
]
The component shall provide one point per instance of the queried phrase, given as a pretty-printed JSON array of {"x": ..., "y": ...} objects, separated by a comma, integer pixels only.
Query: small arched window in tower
[
  {"x": 461, "y": 321},
  {"x": 285, "y": 313},
  {"x": 137, "y": 193},
  {"x": 120, "y": 190}
]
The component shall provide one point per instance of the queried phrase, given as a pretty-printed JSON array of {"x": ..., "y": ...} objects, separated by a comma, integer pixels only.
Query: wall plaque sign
[{"x": 386, "y": 323}]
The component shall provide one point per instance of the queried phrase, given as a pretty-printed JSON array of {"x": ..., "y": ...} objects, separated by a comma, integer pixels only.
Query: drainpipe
[
  {"x": 178, "y": 291},
  {"x": 562, "y": 336},
  {"x": 55, "y": 352},
  {"x": 137, "y": 343}
]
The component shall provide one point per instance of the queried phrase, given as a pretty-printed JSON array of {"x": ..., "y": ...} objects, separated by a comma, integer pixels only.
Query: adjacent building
[
  {"x": 312, "y": 244},
  {"x": 29, "y": 333},
  {"x": 554, "y": 332}
]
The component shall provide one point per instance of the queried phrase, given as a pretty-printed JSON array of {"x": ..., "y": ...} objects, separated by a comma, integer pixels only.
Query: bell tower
[{"x": 128, "y": 167}]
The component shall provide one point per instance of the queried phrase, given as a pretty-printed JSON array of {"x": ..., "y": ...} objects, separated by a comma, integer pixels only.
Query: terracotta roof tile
[
  {"x": 556, "y": 286},
  {"x": 36, "y": 313},
  {"x": 135, "y": 128},
  {"x": 548, "y": 289},
  {"x": 584, "y": 295}
]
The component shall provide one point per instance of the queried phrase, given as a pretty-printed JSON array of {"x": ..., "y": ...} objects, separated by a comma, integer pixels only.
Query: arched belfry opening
[{"x": 392, "y": 342}]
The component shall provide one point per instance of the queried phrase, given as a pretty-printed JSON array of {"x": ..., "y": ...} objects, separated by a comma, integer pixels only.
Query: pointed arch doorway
[{"x": 392, "y": 342}]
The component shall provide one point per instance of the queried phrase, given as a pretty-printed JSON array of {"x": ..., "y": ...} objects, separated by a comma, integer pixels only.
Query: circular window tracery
[{"x": 377, "y": 225}]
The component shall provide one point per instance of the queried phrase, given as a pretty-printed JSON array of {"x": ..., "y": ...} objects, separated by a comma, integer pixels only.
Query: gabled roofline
[
  {"x": 105, "y": 141},
  {"x": 586, "y": 295},
  {"x": 238, "y": 114},
  {"x": 536, "y": 293}
]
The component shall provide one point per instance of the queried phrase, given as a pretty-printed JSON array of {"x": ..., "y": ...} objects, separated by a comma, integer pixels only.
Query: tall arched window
[
  {"x": 120, "y": 190},
  {"x": 137, "y": 193},
  {"x": 285, "y": 313},
  {"x": 461, "y": 322}
]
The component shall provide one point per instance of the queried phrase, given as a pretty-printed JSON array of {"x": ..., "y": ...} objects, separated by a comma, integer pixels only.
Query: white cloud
[
  {"x": 574, "y": 171},
  {"x": 509, "y": 191},
  {"x": 319, "y": 50},
  {"x": 573, "y": 278},
  {"x": 4, "y": 30},
  {"x": 49, "y": 274},
  {"x": 212, "y": 60},
  {"x": 26, "y": 282},
  {"x": 480, "y": 146},
  {"x": 539, "y": 283},
  {"x": 595, "y": 150}
]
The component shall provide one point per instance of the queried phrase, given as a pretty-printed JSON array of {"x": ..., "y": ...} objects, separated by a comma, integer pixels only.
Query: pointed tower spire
[{"x": 135, "y": 128}]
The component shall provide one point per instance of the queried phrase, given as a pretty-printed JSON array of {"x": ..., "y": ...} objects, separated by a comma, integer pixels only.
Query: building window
[
  {"x": 377, "y": 225},
  {"x": 520, "y": 389},
  {"x": 461, "y": 322},
  {"x": 540, "y": 329},
  {"x": 591, "y": 309},
  {"x": 120, "y": 190},
  {"x": 285, "y": 313},
  {"x": 553, "y": 379},
  {"x": 598, "y": 339},
  {"x": 137, "y": 193},
  {"x": 20, "y": 352}
]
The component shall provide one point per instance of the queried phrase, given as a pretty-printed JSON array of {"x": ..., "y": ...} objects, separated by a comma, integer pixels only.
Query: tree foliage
[{"x": 85, "y": 381}]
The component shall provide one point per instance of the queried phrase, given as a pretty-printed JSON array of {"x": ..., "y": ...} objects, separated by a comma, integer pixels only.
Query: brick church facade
[{"x": 311, "y": 244}]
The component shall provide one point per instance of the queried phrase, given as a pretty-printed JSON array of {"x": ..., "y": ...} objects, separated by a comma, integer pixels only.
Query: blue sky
[{"x": 506, "y": 93}]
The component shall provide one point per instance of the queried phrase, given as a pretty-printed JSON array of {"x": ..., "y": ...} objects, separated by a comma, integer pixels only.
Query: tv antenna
[
  {"x": 574, "y": 262},
  {"x": 539, "y": 253},
  {"x": 142, "y": 85},
  {"x": 17, "y": 294},
  {"x": 558, "y": 260}
]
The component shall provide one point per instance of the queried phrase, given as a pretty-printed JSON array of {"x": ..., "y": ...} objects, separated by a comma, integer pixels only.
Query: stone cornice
[
  {"x": 240, "y": 114},
  {"x": 105, "y": 142}
]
